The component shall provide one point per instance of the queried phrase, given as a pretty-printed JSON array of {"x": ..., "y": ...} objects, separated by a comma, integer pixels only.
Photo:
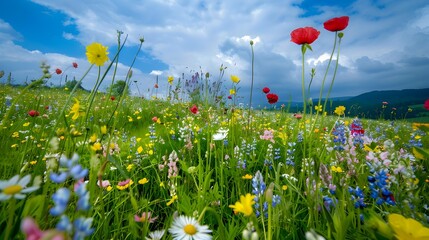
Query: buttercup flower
[
  {"x": 76, "y": 110},
  {"x": 97, "y": 54},
  {"x": 170, "y": 79},
  {"x": 244, "y": 205},
  {"x": 235, "y": 79},
  {"x": 188, "y": 228},
  {"x": 306, "y": 35},
  {"x": 16, "y": 187},
  {"x": 340, "y": 110},
  {"x": 336, "y": 24},
  {"x": 407, "y": 228}
]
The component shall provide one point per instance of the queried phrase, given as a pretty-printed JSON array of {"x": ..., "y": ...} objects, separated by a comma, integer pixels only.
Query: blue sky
[{"x": 385, "y": 46}]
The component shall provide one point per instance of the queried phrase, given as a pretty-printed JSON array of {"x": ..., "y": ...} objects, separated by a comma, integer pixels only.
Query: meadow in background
[{"x": 195, "y": 164}]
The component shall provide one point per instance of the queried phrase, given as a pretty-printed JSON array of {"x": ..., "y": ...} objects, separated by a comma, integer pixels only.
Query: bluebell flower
[
  {"x": 276, "y": 200},
  {"x": 64, "y": 225},
  {"x": 82, "y": 227},
  {"x": 258, "y": 184},
  {"x": 83, "y": 197},
  {"x": 58, "y": 177},
  {"x": 78, "y": 172},
  {"x": 61, "y": 198}
]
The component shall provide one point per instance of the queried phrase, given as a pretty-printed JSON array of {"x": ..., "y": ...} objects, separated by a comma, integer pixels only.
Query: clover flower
[{"x": 16, "y": 187}]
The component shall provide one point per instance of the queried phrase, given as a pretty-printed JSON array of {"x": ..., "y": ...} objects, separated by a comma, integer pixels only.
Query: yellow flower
[
  {"x": 174, "y": 198},
  {"x": 103, "y": 129},
  {"x": 340, "y": 110},
  {"x": 284, "y": 187},
  {"x": 231, "y": 91},
  {"x": 244, "y": 205},
  {"x": 26, "y": 124},
  {"x": 93, "y": 138},
  {"x": 407, "y": 228},
  {"x": 235, "y": 79},
  {"x": 97, "y": 54},
  {"x": 76, "y": 110},
  {"x": 318, "y": 108},
  {"x": 336, "y": 169},
  {"x": 96, "y": 147},
  {"x": 170, "y": 79},
  {"x": 130, "y": 167},
  {"x": 143, "y": 181},
  {"x": 247, "y": 176}
]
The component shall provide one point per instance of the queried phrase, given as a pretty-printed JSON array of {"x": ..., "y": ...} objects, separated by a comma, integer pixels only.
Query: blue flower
[
  {"x": 61, "y": 198},
  {"x": 58, "y": 177},
  {"x": 82, "y": 227},
  {"x": 78, "y": 172},
  {"x": 64, "y": 224}
]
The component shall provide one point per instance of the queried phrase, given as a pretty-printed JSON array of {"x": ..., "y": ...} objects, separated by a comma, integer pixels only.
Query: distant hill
[{"x": 407, "y": 103}]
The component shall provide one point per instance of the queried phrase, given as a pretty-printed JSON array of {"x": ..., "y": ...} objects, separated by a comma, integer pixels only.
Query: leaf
[
  {"x": 34, "y": 207},
  {"x": 420, "y": 153}
]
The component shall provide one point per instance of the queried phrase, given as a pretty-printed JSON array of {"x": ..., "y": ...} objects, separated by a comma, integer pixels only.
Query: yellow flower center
[
  {"x": 190, "y": 229},
  {"x": 11, "y": 190}
]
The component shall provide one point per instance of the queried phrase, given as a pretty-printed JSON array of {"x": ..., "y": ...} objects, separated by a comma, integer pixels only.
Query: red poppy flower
[
  {"x": 156, "y": 85},
  {"x": 33, "y": 113},
  {"x": 194, "y": 109},
  {"x": 272, "y": 98},
  {"x": 112, "y": 98},
  {"x": 336, "y": 24},
  {"x": 265, "y": 90},
  {"x": 426, "y": 105},
  {"x": 155, "y": 119},
  {"x": 304, "y": 35},
  {"x": 74, "y": 65},
  {"x": 58, "y": 71},
  {"x": 229, "y": 97}
]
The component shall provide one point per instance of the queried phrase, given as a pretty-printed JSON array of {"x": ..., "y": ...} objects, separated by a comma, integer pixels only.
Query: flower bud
[
  {"x": 207, "y": 74},
  {"x": 246, "y": 234},
  {"x": 340, "y": 34},
  {"x": 254, "y": 236},
  {"x": 269, "y": 193},
  {"x": 251, "y": 42}
]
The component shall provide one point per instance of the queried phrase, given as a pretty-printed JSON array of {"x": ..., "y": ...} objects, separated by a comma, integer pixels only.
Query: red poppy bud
[
  {"x": 336, "y": 24},
  {"x": 33, "y": 113},
  {"x": 74, "y": 65},
  {"x": 229, "y": 97},
  {"x": 265, "y": 90},
  {"x": 58, "y": 71},
  {"x": 306, "y": 35},
  {"x": 155, "y": 86},
  {"x": 112, "y": 98}
]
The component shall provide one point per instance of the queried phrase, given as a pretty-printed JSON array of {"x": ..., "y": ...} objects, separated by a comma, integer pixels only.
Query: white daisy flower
[
  {"x": 188, "y": 228},
  {"x": 156, "y": 235},
  {"x": 16, "y": 187}
]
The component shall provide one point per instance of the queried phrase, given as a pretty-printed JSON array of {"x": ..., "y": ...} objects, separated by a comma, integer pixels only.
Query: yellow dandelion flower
[
  {"x": 96, "y": 147},
  {"x": 231, "y": 91},
  {"x": 76, "y": 110},
  {"x": 97, "y": 54},
  {"x": 284, "y": 187}
]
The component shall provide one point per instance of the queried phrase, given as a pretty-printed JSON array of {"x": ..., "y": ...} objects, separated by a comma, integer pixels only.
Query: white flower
[
  {"x": 156, "y": 235},
  {"x": 16, "y": 187},
  {"x": 221, "y": 134},
  {"x": 188, "y": 228}
]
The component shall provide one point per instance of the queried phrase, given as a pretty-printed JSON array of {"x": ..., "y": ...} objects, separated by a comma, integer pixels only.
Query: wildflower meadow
[{"x": 195, "y": 164}]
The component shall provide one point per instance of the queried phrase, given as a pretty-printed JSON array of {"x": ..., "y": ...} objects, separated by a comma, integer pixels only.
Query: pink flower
[
  {"x": 123, "y": 183},
  {"x": 145, "y": 217},
  {"x": 297, "y": 115},
  {"x": 74, "y": 65},
  {"x": 155, "y": 119},
  {"x": 32, "y": 231},
  {"x": 104, "y": 183}
]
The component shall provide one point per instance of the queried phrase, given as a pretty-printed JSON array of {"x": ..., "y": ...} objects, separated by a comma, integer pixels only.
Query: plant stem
[{"x": 251, "y": 89}]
